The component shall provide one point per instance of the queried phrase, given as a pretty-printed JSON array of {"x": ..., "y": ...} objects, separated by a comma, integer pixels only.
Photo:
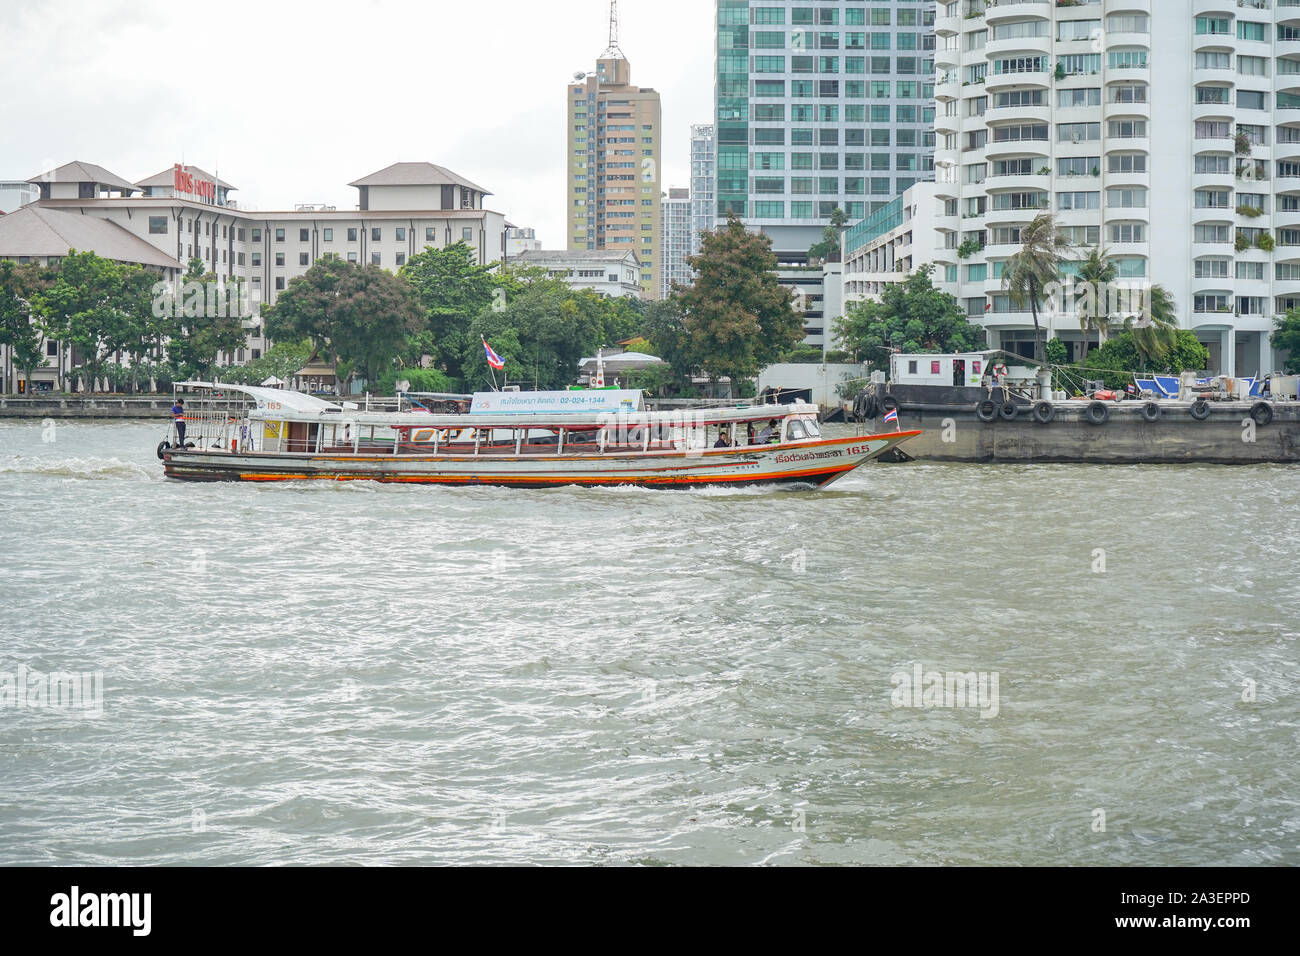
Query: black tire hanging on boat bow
[
  {"x": 1044, "y": 413},
  {"x": 1262, "y": 413},
  {"x": 163, "y": 447},
  {"x": 1151, "y": 412},
  {"x": 1200, "y": 410},
  {"x": 987, "y": 410},
  {"x": 1097, "y": 413}
]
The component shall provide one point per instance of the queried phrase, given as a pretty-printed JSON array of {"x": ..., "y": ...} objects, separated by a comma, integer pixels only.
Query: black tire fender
[
  {"x": 1097, "y": 413},
  {"x": 1200, "y": 409},
  {"x": 987, "y": 410},
  {"x": 889, "y": 404},
  {"x": 163, "y": 447},
  {"x": 1044, "y": 412},
  {"x": 1151, "y": 412},
  {"x": 1262, "y": 413},
  {"x": 1009, "y": 411}
]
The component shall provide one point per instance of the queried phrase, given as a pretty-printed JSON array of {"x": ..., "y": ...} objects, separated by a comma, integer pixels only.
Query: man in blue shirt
[{"x": 178, "y": 413}]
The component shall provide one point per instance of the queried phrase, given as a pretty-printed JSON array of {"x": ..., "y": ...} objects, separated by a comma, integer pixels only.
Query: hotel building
[
  {"x": 677, "y": 240},
  {"x": 819, "y": 106},
  {"x": 165, "y": 221},
  {"x": 1166, "y": 133},
  {"x": 704, "y": 184},
  {"x": 613, "y": 164}
]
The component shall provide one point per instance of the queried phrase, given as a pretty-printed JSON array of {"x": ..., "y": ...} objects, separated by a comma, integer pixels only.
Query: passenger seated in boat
[
  {"x": 724, "y": 440},
  {"x": 768, "y": 434}
]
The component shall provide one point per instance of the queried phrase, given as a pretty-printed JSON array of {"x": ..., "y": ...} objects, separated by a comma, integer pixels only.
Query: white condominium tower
[
  {"x": 820, "y": 104},
  {"x": 704, "y": 184},
  {"x": 1167, "y": 133}
]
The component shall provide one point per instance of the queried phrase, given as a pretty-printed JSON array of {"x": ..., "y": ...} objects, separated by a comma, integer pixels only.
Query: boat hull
[{"x": 807, "y": 463}]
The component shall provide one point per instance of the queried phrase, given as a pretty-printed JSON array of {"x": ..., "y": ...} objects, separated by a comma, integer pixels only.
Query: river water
[{"x": 390, "y": 675}]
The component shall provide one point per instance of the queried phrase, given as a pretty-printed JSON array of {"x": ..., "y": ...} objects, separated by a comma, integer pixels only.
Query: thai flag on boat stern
[
  {"x": 496, "y": 361},
  {"x": 892, "y": 416}
]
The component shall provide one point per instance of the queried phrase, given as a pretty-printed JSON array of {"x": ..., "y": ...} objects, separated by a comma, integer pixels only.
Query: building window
[
  {"x": 304, "y": 259},
  {"x": 52, "y": 349},
  {"x": 257, "y": 235},
  {"x": 352, "y": 235},
  {"x": 352, "y": 257},
  {"x": 329, "y": 235},
  {"x": 428, "y": 234},
  {"x": 257, "y": 259},
  {"x": 279, "y": 283},
  {"x": 279, "y": 235},
  {"x": 279, "y": 259},
  {"x": 467, "y": 234},
  {"x": 376, "y": 235},
  {"x": 374, "y": 259},
  {"x": 401, "y": 258},
  {"x": 304, "y": 235},
  {"x": 401, "y": 234},
  {"x": 157, "y": 225}
]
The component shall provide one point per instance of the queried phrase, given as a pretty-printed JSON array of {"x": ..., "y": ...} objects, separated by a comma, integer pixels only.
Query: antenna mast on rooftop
[{"x": 613, "y": 52}]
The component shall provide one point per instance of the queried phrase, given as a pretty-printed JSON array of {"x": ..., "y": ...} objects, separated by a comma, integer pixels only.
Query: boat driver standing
[{"x": 178, "y": 414}]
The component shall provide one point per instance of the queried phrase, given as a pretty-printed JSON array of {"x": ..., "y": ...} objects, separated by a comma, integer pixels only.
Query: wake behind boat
[{"x": 514, "y": 439}]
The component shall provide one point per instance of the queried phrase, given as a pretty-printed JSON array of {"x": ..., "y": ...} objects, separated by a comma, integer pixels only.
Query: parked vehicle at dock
[
  {"x": 995, "y": 406},
  {"x": 517, "y": 439}
]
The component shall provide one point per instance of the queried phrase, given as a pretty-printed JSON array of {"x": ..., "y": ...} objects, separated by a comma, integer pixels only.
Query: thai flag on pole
[
  {"x": 496, "y": 361},
  {"x": 892, "y": 416}
]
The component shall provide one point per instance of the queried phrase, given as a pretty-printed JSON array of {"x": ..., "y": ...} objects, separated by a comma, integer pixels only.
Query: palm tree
[
  {"x": 1037, "y": 265},
  {"x": 1154, "y": 339},
  {"x": 1097, "y": 271}
]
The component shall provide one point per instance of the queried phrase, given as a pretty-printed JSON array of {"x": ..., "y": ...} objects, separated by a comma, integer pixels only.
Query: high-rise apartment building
[
  {"x": 676, "y": 240},
  {"x": 704, "y": 184},
  {"x": 614, "y": 163},
  {"x": 821, "y": 105},
  {"x": 1168, "y": 134}
]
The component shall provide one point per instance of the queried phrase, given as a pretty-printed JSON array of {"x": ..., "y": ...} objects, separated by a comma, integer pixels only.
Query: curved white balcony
[
  {"x": 1018, "y": 10},
  {"x": 1018, "y": 46},
  {"x": 949, "y": 26},
  {"x": 1214, "y": 181},
  {"x": 1139, "y": 40},
  {"x": 1014, "y": 217},
  {"x": 1202, "y": 250},
  {"x": 1210, "y": 111},
  {"x": 1039, "y": 79},
  {"x": 1226, "y": 8},
  {"x": 947, "y": 58},
  {"x": 1127, "y": 6},
  {"x": 1035, "y": 182},
  {"x": 1022, "y": 147},
  {"x": 1129, "y": 179},
  {"x": 1225, "y": 77},
  {"x": 1130, "y": 250},
  {"x": 1016, "y": 115}
]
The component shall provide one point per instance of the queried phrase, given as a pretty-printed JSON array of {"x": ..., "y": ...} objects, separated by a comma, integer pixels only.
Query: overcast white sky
[{"x": 295, "y": 100}]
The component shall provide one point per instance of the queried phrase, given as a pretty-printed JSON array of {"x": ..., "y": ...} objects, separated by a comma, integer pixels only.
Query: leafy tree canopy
[{"x": 912, "y": 316}]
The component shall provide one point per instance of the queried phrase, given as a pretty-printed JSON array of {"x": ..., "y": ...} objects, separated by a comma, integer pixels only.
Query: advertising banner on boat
[{"x": 537, "y": 403}]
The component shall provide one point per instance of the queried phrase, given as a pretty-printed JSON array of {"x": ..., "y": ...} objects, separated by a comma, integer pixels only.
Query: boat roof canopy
[{"x": 273, "y": 399}]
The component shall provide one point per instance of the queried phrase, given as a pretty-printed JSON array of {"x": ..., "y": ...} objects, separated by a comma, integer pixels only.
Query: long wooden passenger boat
[{"x": 515, "y": 439}]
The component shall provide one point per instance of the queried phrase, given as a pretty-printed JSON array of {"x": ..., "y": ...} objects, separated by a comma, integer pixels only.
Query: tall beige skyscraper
[{"x": 614, "y": 162}]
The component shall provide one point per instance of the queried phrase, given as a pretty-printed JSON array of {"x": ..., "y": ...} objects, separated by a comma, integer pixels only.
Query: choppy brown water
[{"x": 384, "y": 675}]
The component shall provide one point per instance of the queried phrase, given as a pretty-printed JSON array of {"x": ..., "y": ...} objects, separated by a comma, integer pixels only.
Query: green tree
[
  {"x": 738, "y": 317},
  {"x": 1155, "y": 339},
  {"x": 452, "y": 289},
  {"x": 199, "y": 328},
  {"x": 829, "y": 247},
  {"x": 20, "y": 287},
  {"x": 90, "y": 307},
  {"x": 665, "y": 329},
  {"x": 912, "y": 316},
  {"x": 1121, "y": 353},
  {"x": 361, "y": 316},
  {"x": 1097, "y": 272},
  {"x": 1036, "y": 266},
  {"x": 282, "y": 360},
  {"x": 1286, "y": 338},
  {"x": 543, "y": 332}
]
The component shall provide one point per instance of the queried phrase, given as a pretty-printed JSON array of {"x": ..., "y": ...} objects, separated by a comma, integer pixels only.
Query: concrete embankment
[
  {"x": 99, "y": 406},
  {"x": 1228, "y": 436}
]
